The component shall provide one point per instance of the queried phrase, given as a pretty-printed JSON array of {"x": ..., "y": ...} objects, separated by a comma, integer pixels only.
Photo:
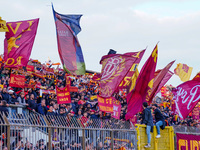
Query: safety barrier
[
  {"x": 165, "y": 142},
  {"x": 23, "y": 130}
]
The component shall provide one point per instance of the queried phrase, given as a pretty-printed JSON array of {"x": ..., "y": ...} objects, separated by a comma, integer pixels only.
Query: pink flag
[
  {"x": 143, "y": 86},
  {"x": 114, "y": 68},
  {"x": 186, "y": 97},
  {"x": 116, "y": 109},
  {"x": 19, "y": 42}
]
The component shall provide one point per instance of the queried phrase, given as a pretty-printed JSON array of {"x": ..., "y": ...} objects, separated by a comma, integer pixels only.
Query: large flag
[
  {"x": 157, "y": 81},
  {"x": 114, "y": 68},
  {"x": 127, "y": 79},
  {"x": 183, "y": 71},
  {"x": 3, "y": 27},
  {"x": 67, "y": 28},
  {"x": 143, "y": 86},
  {"x": 186, "y": 96},
  {"x": 19, "y": 42},
  {"x": 133, "y": 81}
]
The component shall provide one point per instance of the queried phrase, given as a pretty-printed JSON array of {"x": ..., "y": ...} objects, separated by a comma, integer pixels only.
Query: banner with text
[
  {"x": 187, "y": 142},
  {"x": 105, "y": 104},
  {"x": 63, "y": 95},
  {"x": 116, "y": 109},
  {"x": 17, "y": 81}
]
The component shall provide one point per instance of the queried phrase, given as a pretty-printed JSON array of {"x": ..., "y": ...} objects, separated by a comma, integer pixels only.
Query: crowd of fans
[{"x": 84, "y": 104}]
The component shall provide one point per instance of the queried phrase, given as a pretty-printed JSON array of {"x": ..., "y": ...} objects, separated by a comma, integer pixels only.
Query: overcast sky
[{"x": 122, "y": 25}]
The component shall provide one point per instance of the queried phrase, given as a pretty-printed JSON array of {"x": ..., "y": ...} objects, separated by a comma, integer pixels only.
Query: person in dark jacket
[
  {"x": 32, "y": 103},
  {"x": 5, "y": 95},
  {"x": 42, "y": 108},
  {"x": 3, "y": 107},
  {"x": 160, "y": 120},
  {"x": 147, "y": 119}
]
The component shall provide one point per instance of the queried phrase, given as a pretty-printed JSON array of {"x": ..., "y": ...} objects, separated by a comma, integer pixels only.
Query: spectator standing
[
  {"x": 147, "y": 119},
  {"x": 160, "y": 120},
  {"x": 5, "y": 95}
]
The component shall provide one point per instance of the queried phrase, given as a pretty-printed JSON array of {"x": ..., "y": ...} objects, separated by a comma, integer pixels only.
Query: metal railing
[{"x": 35, "y": 131}]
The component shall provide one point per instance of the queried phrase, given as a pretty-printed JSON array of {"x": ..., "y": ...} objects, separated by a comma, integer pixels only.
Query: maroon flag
[
  {"x": 186, "y": 97},
  {"x": 157, "y": 81},
  {"x": 127, "y": 79},
  {"x": 164, "y": 81},
  {"x": 19, "y": 42},
  {"x": 114, "y": 68},
  {"x": 143, "y": 86}
]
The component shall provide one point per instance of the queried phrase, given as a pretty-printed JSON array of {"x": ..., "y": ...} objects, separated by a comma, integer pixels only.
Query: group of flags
[{"x": 119, "y": 71}]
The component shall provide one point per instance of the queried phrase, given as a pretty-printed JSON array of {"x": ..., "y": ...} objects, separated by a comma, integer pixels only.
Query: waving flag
[
  {"x": 183, "y": 71},
  {"x": 186, "y": 95},
  {"x": 127, "y": 79},
  {"x": 19, "y": 42},
  {"x": 67, "y": 28},
  {"x": 114, "y": 68},
  {"x": 157, "y": 81},
  {"x": 143, "y": 86}
]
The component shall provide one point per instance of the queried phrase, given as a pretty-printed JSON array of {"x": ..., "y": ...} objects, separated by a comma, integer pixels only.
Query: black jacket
[
  {"x": 147, "y": 118},
  {"x": 159, "y": 117}
]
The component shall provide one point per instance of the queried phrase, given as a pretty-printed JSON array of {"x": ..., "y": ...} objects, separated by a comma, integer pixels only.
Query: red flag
[
  {"x": 17, "y": 81},
  {"x": 186, "y": 97},
  {"x": 105, "y": 104},
  {"x": 30, "y": 68},
  {"x": 157, "y": 81},
  {"x": 18, "y": 42},
  {"x": 143, "y": 85},
  {"x": 63, "y": 95},
  {"x": 114, "y": 68}
]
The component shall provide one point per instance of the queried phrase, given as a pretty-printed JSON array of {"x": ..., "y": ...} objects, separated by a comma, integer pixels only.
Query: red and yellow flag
[
  {"x": 143, "y": 86},
  {"x": 18, "y": 42},
  {"x": 183, "y": 71}
]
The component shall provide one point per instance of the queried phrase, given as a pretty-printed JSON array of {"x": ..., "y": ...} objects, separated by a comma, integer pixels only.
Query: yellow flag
[
  {"x": 133, "y": 79},
  {"x": 3, "y": 27},
  {"x": 183, "y": 71}
]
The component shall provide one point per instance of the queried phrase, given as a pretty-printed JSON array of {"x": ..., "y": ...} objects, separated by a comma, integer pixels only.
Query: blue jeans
[
  {"x": 148, "y": 129},
  {"x": 158, "y": 124}
]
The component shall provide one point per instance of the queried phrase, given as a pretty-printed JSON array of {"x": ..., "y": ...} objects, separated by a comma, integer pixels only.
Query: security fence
[{"x": 37, "y": 132}]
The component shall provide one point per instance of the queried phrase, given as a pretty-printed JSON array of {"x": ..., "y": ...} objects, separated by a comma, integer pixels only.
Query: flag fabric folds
[
  {"x": 143, "y": 86},
  {"x": 18, "y": 42},
  {"x": 186, "y": 96},
  {"x": 125, "y": 83},
  {"x": 183, "y": 71},
  {"x": 69, "y": 49},
  {"x": 114, "y": 68},
  {"x": 158, "y": 80}
]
